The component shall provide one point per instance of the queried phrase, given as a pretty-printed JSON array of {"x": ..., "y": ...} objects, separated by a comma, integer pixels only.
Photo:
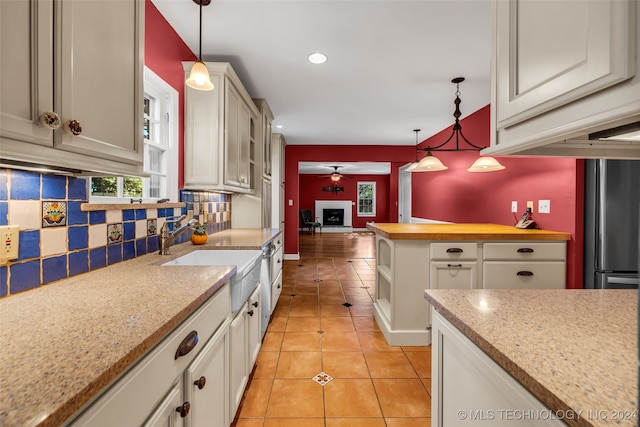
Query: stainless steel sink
[{"x": 243, "y": 282}]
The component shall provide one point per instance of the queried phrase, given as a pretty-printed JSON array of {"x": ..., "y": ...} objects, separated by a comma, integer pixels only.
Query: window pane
[
  {"x": 104, "y": 186},
  {"x": 146, "y": 129},
  {"x": 156, "y": 184},
  {"x": 155, "y": 161},
  {"x": 147, "y": 103},
  {"x": 132, "y": 187}
]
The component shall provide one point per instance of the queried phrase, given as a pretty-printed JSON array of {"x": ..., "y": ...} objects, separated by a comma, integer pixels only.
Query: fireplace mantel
[{"x": 347, "y": 205}]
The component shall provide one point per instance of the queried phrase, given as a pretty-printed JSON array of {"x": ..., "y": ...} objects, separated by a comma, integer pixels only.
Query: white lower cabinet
[
  {"x": 159, "y": 389},
  {"x": 469, "y": 388},
  {"x": 246, "y": 339}
]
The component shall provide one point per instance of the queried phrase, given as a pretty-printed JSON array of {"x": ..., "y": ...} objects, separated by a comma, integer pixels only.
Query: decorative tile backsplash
[{"x": 58, "y": 239}]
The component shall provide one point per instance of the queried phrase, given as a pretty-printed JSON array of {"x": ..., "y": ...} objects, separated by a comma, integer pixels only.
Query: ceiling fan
[{"x": 335, "y": 175}]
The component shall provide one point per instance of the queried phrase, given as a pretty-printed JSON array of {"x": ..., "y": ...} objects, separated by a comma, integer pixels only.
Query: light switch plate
[
  {"x": 544, "y": 206},
  {"x": 9, "y": 238},
  {"x": 514, "y": 206}
]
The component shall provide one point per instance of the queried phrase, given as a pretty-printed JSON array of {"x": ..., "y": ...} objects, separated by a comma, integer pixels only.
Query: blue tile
[
  {"x": 141, "y": 214},
  {"x": 54, "y": 187},
  {"x": 128, "y": 215},
  {"x": 75, "y": 215},
  {"x": 3, "y": 184},
  {"x": 98, "y": 258},
  {"x": 141, "y": 246},
  {"x": 24, "y": 185},
  {"x": 129, "y": 230},
  {"x": 152, "y": 244},
  {"x": 78, "y": 237},
  {"x": 97, "y": 217},
  {"x": 54, "y": 268},
  {"x": 29, "y": 244},
  {"x": 114, "y": 254},
  {"x": 24, "y": 276},
  {"x": 78, "y": 262},
  {"x": 128, "y": 250},
  {"x": 4, "y": 211},
  {"x": 4, "y": 286},
  {"x": 78, "y": 188}
]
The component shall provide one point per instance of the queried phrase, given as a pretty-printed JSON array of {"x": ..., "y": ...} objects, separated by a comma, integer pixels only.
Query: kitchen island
[
  {"x": 64, "y": 343},
  {"x": 534, "y": 357},
  {"x": 413, "y": 257}
]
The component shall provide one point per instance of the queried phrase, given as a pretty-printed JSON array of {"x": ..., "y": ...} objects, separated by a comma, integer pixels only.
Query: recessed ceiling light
[{"x": 317, "y": 58}]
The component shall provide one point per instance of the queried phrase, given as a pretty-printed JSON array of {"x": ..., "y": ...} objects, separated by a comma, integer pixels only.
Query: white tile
[
  {"x": 97, "y": 235},
  {"x": 26, "y": 213},
  {"x": 141, "y": 228},
  {"x": 152, "y": 213},
  {"x": 53, "y": 241},
  {"x": 114, "y": 216}
]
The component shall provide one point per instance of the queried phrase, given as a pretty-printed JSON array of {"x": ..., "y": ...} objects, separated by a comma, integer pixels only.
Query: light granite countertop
[
  {"x": 395, "y": 231},
  {"x": 572, "y": 349},
  {"x": 62, "y": 343}
]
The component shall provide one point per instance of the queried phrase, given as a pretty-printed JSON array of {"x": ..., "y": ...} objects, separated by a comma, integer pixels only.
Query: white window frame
[
  {"x": 159, "y": 89},
  {"x": 373, "y": 212}
]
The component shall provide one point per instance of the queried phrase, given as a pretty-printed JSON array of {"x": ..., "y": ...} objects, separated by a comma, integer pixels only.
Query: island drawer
[
  {"x": 525, "y": 251},
  {"x": 524, "y": 275},
  {"x": 454, "y": 251}
]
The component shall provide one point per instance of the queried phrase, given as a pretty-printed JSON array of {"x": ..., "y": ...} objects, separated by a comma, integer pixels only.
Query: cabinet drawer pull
[
  {"x": 255, "y": 304},
  {"x": 454, "y": 265},
  {"x": 250, "y": 312},
  {"x": 525, "y": 251},
  {"x": 454, "y": 251},
  {"x": 200, "y": 383},
  {"x": 524, "y": 273},
  {"x": 187, "y": 344},
  {"x": 184, "y": 409}
]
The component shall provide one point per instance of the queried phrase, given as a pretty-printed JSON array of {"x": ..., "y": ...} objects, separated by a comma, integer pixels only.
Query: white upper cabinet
[
  {"x": 220, "y": 147},
  {"x": 83, "y": 63},
  {"x": 562, "y": 70}
]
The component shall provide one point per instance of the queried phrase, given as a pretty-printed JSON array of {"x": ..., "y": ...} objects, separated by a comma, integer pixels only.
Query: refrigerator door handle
[{"x": 623, "y": 280}]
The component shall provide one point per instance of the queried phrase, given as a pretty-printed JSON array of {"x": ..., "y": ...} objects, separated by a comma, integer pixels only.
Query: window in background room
[
  {"x": 366, "y": 199},
  {"x": 160, "y": 134}
]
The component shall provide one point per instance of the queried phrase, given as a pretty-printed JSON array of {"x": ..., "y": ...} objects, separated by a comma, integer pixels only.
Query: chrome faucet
[{"x": 167, "y": 237}]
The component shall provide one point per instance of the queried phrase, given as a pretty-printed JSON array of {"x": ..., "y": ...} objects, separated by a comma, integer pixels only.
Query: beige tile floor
[{"x": 370, "y": 384}]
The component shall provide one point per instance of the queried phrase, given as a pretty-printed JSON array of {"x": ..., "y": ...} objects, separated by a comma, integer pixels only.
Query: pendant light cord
[{"x": 200, "y": 38}]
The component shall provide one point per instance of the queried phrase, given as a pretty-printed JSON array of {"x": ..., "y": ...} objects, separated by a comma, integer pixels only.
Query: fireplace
[{"x": 333, "y": 217}]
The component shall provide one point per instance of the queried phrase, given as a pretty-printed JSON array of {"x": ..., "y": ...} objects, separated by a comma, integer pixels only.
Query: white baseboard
[
  {"x": 292, "y": 257},
  {"x": 415, "y": 220}
]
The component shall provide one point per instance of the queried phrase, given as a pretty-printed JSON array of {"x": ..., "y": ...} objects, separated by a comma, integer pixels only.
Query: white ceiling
[{"x": 389, "y": 69}]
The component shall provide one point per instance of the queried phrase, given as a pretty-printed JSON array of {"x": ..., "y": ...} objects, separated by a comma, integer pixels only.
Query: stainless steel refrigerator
[{"x": 612, "y": 197}]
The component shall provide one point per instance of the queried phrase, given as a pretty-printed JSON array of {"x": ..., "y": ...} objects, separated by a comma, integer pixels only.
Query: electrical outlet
[
  {"x": 544, "y": 206},
  {"x": 514, "y": 206},
  {"x": 9, "y": 238},
  {"x": 530, "y": 205}
]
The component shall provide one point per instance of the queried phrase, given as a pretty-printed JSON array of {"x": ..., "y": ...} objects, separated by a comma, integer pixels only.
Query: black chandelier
[{"x": 430, "y": 163}]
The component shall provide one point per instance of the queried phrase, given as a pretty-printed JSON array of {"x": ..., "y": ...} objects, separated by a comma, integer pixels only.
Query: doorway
[{"x": 404, "y": 195}]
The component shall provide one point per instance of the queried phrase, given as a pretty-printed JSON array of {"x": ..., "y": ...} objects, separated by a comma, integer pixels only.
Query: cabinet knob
[
  {"x": 454, "y": 251},
  {"x": 187, "y": 344},
  {"x": 255, "y": 304},
  {"x": 524, "y": 273},
  {"x": 72, "y": 127},
  {"x": 250, "y": 312},
  {"x": 50, "y": 119},
  {"x": 278, "y": 286},
  {"x": 525, "y": 250},
  {"x": 278, "y": 261},
  {"x": 200, "y": 382},
  {"x": 184, "y": 409}
]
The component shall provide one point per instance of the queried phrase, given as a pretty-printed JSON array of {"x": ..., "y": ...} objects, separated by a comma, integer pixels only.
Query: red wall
[
  {"x": 459, "y": 196},
  {"x": 313, "y": 184},
  {"x": 164, "y": 52}
]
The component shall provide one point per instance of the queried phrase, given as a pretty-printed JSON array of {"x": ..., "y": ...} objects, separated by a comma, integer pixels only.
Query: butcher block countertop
[
  {"x": 575, "y": 350},
  {"x": 62, "y": 343},
  {"x": 395, "y": 231}
]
